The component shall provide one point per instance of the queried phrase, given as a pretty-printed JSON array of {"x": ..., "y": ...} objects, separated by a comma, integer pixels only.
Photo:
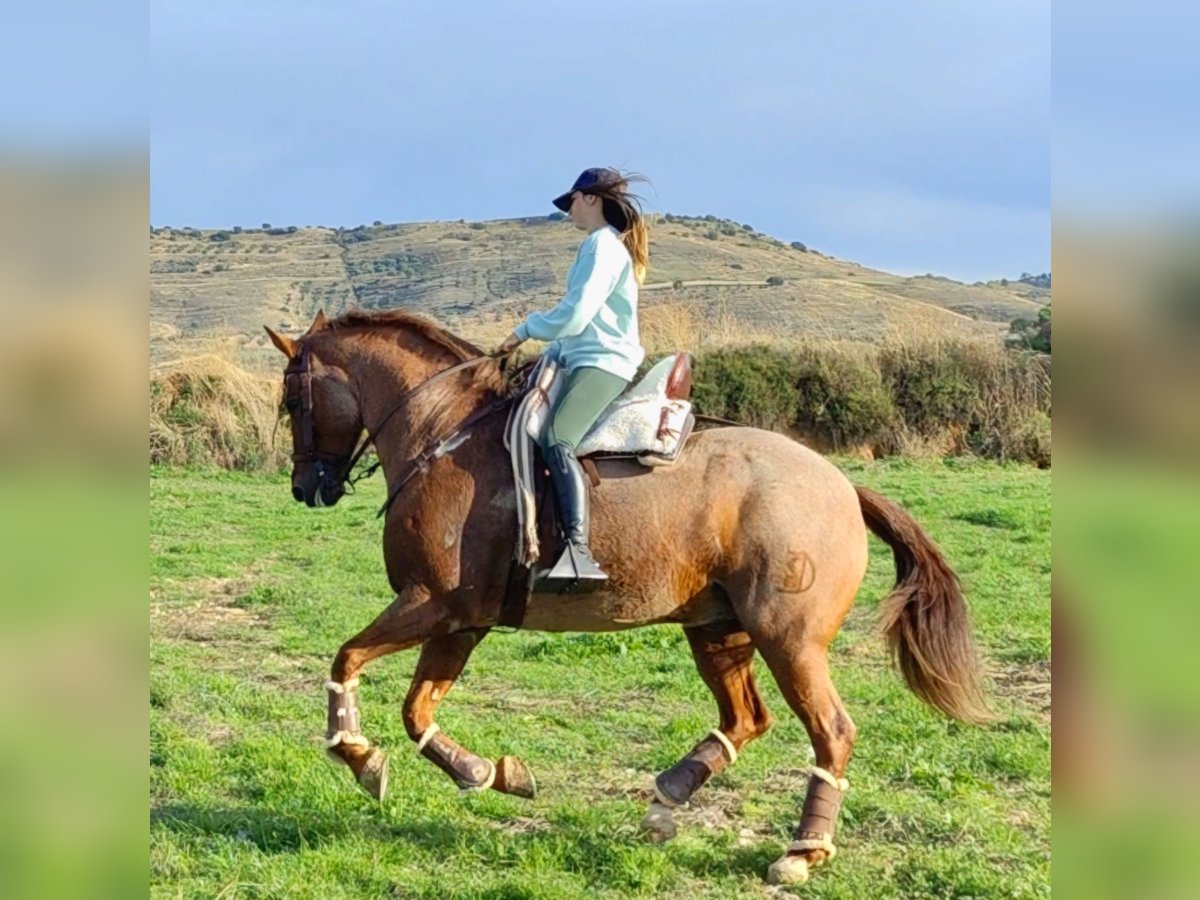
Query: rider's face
[{"x": 586, "y": 211}]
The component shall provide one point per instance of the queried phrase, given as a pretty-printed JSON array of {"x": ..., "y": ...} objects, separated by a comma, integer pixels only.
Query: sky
[{"x": 909, "y": 137}]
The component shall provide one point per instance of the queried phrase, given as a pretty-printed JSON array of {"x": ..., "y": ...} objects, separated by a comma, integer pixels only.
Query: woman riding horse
[{"x": 594, "y": 330}]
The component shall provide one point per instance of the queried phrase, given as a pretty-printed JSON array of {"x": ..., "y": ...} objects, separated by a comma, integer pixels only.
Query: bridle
[
  {"x": 297, "y": 386},
  {"x": 297, "y": 398}
]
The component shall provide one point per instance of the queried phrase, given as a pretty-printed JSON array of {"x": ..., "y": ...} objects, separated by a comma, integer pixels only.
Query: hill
[{"x": 478, "y": 278}]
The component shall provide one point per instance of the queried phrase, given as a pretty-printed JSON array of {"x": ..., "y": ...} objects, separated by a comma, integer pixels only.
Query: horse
[{"x": 750, "y": 542}]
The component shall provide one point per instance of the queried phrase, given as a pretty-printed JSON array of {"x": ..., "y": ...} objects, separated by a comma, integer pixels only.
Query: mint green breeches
[{"x": 586, "y": 393}]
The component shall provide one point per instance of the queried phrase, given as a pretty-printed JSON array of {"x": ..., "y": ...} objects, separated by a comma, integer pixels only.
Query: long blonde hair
[{"x": 623, "y": 211}]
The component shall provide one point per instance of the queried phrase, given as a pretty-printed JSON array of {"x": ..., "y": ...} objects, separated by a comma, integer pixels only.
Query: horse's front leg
[
  {"x": 411, "y": 619},
  {"x": 442, "y": 661}
]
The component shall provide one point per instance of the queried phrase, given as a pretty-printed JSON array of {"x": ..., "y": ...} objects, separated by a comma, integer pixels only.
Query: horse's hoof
[
  {"x": 373, "y": 777},
  {"x": 788, "y": 870},
  {"x": 513, "y": 777},
  {"x": 658, "y": 824}
]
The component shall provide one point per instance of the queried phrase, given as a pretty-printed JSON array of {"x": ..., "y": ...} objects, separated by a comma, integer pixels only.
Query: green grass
[{"x": 251, "y": 595}]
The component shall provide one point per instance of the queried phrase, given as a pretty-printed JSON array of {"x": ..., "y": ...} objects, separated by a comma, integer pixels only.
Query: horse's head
[{"x": 325, "y": 417}]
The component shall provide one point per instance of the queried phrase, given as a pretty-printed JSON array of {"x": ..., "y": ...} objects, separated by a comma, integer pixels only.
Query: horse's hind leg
[
  {"x": 408, "y": 621},
  {"x": 801, "y": 670},
  {"x": 442, "y": 661},
  {"x": 724, "y": 657}
]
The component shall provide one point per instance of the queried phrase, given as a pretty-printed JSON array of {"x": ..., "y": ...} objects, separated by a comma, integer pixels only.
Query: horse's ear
[
  {"x": 286, "y": 345},
  {"x": 318, "y": 323}
]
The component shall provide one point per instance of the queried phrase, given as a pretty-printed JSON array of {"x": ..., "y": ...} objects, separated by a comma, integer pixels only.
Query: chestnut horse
[{"x": 750, "y": 542}]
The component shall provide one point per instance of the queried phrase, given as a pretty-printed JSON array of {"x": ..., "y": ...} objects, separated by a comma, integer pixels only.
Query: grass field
[{"x": 251, "y": 595}]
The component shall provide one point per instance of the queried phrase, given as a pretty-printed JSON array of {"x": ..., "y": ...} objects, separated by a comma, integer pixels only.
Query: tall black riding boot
[{"x": 576, "y": 565}]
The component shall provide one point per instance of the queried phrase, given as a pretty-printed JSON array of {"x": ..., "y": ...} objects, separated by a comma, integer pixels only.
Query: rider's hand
[{"x": 511, "y": 343}]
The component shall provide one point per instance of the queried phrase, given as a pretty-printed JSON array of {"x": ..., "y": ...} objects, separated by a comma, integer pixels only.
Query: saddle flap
[{"x": 544, "y": 387}]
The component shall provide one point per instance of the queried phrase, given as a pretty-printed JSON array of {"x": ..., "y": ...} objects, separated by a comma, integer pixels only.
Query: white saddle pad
[{"x": 641, "y": 421}]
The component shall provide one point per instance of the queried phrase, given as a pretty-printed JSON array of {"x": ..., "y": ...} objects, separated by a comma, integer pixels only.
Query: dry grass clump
[
  {"x": 671, "y": 327},
  {"x": 961, "y": 396},
  {"x": 207, "y": 410}
]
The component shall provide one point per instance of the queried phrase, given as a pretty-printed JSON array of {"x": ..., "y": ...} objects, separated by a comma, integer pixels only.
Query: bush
[
  {"x": 755, "y": 385},
  {"x": 929, "y": 385},
  {"x": 775, "y": 280},
  {"x": 950, "y": 397},
  {"x": 353, "y": 236},
  {"x": 843, "y": 399},
  {"x": 711, "y": 235},
  {"x": 796, "y": 245},
  {"x": 1031, "y": 334},
  {"x": 677, "y": 284},
  {"x": 556, "y": 216},
  {"x": 1012, "y": 418},
  {"x": 478, "y": 226}
]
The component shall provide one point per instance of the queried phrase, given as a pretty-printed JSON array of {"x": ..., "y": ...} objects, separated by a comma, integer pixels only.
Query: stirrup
[{"x": 576, "y": 569}]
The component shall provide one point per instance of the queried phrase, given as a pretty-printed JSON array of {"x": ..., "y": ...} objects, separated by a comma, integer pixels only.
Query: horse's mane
[{"x": 410, "y": 321}]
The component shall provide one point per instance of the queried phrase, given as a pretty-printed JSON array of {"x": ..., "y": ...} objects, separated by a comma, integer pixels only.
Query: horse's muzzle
[
  {"x": 319, "y": 486},
  {"x": 327, "y": 494}
]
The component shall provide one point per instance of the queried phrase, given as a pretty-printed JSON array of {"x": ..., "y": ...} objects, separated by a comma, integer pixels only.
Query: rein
[
  {"x": 420, "y": 463},
  {"x": 717, "y": 420},
  {"x": 404, "y": 398},
  {"x": 297, "y": 379}
]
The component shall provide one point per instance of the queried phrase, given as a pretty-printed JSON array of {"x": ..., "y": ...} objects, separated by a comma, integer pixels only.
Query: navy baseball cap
[{"x": 587, "y": 180}]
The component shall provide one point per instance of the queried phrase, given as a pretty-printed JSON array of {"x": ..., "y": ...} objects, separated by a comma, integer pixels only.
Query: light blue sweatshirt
[{"x": 596, "y": 323}]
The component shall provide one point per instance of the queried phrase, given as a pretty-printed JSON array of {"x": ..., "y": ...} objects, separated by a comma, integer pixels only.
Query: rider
[{"x": 594, "y": 330}]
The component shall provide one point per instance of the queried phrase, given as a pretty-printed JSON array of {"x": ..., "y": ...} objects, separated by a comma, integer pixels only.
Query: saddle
[{"x": 650, "y": 423}]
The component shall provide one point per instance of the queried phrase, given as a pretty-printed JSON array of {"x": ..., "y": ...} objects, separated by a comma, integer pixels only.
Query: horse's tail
[{"x": 925, "y": 617}]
